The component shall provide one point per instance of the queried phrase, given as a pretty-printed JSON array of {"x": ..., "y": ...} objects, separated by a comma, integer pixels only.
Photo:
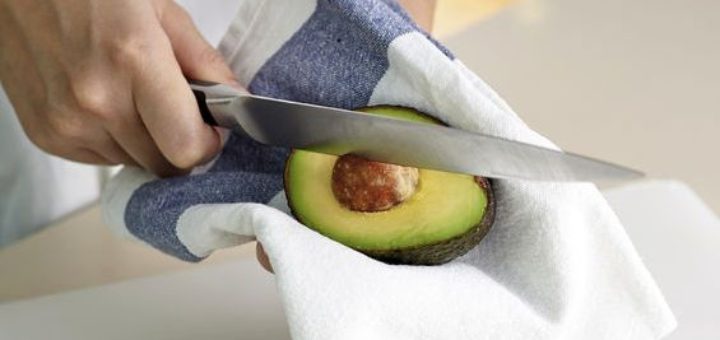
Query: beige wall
[{"x": 635, "y": 82}]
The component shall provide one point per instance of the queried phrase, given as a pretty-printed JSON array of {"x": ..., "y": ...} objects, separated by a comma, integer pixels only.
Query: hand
[
  {"x": 262, "y": 257},
  {"x": 103, "y": 82},
  {"x": 422, "y": 11}
]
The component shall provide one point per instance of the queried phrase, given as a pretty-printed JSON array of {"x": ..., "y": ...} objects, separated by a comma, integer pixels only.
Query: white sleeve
[
  {"x": 212, "y": 17},
  {"x": 36, "y": 188}
]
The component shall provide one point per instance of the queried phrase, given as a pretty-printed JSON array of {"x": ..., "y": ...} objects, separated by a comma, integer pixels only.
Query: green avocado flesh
[{"x": 445, "y": 217}]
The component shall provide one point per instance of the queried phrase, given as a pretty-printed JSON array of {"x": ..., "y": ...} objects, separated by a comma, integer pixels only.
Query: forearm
[{"x": 422, "y": 11}]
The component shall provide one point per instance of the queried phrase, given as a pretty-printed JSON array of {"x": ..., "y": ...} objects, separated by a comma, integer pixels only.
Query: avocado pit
[
  {"x": 363, "y": 185},
  {"x": 395, "y": 214}
]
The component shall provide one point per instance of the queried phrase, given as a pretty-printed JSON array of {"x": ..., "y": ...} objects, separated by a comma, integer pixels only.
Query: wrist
[{"x": 422, "y": 11}]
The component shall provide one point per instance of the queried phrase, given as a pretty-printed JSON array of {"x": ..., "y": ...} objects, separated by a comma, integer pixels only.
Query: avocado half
[{"x": 447, "y": 214}]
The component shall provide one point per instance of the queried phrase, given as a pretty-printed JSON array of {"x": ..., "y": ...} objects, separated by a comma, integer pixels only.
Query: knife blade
[{"x": 336, "y": 131}]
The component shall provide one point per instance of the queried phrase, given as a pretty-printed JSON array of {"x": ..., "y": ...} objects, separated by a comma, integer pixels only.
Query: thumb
[
  {"x": 197, "y": 58},
  {"x": 263, "y": 258}
]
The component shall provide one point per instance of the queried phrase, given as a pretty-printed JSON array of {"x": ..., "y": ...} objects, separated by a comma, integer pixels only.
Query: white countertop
[
  {"x": 225, "y": 301},
  {"x": 675, "y": 233}
]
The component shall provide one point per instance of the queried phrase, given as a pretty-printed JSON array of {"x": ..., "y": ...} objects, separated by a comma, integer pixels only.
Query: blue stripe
[
  {"x": 153, "y": 210},
  {"x": 337, "y": 57},
  {"x": 244, "y": 154}
]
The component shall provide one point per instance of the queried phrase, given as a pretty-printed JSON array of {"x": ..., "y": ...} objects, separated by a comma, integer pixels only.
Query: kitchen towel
[{"x": 557, "y": 263}]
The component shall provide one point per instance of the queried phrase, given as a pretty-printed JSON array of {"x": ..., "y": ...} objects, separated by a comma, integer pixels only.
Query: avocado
[{"x": 396, "y": 214}]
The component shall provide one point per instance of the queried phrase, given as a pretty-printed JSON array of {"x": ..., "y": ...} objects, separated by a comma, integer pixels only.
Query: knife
[{"x": 336, "y": 131}]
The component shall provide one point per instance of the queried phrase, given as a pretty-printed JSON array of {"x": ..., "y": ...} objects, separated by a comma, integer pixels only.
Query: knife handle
[
  {"x": 204, "y": 109},
  {"x": 213, "y": 100}
]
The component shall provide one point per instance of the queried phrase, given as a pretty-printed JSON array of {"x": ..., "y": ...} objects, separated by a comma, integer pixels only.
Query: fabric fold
[{"x": 556, "y": 264}]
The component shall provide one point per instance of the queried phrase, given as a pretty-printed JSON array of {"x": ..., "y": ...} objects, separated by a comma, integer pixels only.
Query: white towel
[{"x": 557, "y": 263}]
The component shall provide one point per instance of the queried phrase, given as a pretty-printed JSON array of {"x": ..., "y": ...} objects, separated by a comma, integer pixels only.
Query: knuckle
[
  {"x": 93, "y": 100},
  {"x": 53, "y": 131},
  {"x": 211, "y": 56},
  {"x": 65, "y": 127},
  {"x": 130, "y": 50},
  {"x": 214, "y": 57}
]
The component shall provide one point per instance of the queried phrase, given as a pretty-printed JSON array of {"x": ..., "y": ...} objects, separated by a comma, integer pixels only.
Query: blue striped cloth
[
  {"x": 335, "y": 59},
  {"x": 556, "y": 264}
]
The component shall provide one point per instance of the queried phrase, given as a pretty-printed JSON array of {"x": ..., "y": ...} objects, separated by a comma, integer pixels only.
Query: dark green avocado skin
[
  {"x": 447, "y": 250},
  {"x": 435, "y": 253}
]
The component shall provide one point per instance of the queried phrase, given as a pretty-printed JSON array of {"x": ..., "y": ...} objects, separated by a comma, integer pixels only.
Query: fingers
[
  {"x": 120, "y": 97},
  {"x": 196, "y": 57},
  {"x": 106, "y": 152},
  {"x": 136, "y": 141},
  {"x": 263, "y": 258},
  {"x": 88, "y": 156},
  {"x": 174, "y": 121},
  {"x": 109, "y": 150},
  {"x": 168, "y": 109},
  {"x": 97, "y": 147}
]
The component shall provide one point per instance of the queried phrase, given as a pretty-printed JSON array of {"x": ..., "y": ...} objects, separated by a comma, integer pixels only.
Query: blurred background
[{"x": 636, "y": 82}]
